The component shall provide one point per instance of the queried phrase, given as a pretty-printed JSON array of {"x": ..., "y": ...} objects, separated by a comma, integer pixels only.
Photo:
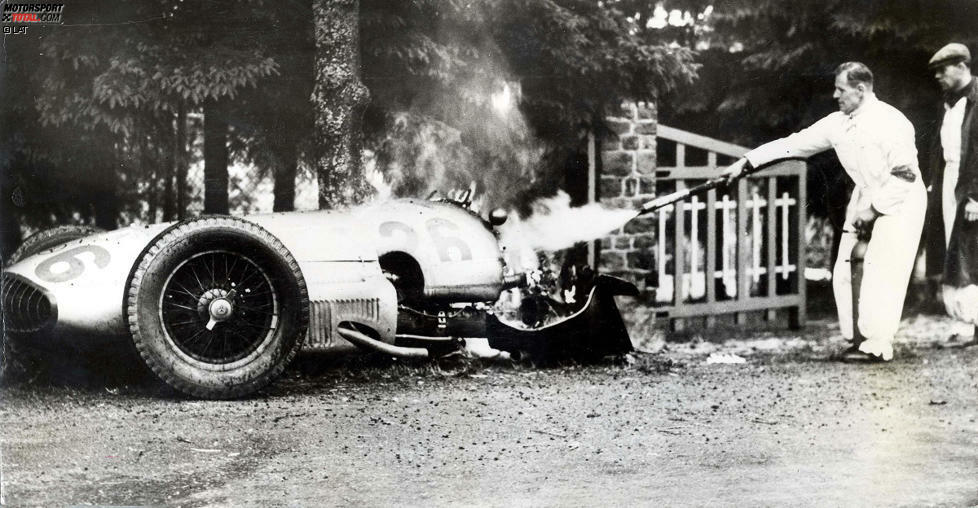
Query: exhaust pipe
[
  {"x": 516, "y": 280},
  {"x": 362, "y": 340}
]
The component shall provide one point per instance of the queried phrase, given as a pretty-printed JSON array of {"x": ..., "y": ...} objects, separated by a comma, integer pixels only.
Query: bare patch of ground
[{"x": 788, "y": 426}]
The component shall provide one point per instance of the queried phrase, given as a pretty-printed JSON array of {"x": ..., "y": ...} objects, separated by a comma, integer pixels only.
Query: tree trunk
[
  {"x": 168, "y": 157},
  {"x": 105, "y": 198},
  {"x": 106, "y": 215},
  {"x": 181, "y": 160},
  {"x": 339, "y": 100},
  {"x": 215, "y": 159},
  {"x": 106, "y": 205},
  {"x": 285, "y": 178},
  {"x": 148, "y": 163}
]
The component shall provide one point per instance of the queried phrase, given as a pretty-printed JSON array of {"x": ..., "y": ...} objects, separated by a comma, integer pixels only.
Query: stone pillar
[{"x": 627, "y": 179}]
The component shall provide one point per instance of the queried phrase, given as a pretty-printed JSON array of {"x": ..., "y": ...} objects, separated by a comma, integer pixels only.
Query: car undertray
[{"x": 594, "y": 331}]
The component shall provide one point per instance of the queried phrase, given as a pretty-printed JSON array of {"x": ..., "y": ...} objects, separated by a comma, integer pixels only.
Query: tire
[
  {"x": 48, "y": 238},
  {"x": 232, "y": 275}
]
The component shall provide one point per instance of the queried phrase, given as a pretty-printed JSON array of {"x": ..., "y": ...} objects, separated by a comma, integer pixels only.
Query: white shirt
[
  {"x": 870, "y": 142},
  {"x": 951, "y": 130}
]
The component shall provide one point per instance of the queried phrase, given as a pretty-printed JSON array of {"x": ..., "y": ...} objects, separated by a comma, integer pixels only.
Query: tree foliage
[
  {"x": 434, "y": 66},
  {"x": 93, "y": 132},
  {"x": 767, "y": 67},
  {"x": 147, "y": 57}
]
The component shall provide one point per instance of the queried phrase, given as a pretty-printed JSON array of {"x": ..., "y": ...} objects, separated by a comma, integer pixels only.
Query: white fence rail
[{"x": 735, "y": 251}]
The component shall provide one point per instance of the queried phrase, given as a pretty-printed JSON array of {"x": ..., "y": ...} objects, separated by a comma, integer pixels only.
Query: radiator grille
[{"x": 26, "y": 308}]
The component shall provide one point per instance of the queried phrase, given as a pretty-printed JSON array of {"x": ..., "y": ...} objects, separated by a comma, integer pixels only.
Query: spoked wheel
[{"x": 217, "y": 307}]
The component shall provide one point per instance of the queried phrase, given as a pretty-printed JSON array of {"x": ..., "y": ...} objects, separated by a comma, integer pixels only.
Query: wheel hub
[
  {"x": 216, "y": 305},
  {"x": 221, "y": 309}
]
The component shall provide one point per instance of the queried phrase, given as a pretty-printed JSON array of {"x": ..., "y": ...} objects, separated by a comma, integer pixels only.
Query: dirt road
[{"x": 786, "y": 427}]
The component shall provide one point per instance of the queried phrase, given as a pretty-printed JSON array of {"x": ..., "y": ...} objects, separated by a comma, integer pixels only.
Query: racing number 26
[{"x": 439, "y": 230}]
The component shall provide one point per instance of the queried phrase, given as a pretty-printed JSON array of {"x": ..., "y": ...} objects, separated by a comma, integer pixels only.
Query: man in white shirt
[
  {"x": 954, "y": 193},
  {"x": 875, "y": 144}
]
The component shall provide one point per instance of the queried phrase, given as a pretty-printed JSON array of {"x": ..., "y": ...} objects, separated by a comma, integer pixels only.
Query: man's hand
[
  {"x": 863, "y": 222},
  {"x": 736, "y": 169},
  {"x": 971, "y": 210}
]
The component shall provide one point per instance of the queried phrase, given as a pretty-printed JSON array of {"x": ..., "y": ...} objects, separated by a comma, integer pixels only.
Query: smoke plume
[{"x": 475, "y": 132}]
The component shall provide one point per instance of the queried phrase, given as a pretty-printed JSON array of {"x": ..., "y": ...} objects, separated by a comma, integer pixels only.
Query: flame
[
  {"x": 375, "y": 177},
  {"x": 480, "y": 136},
  {"x": 502, "y": 100}
]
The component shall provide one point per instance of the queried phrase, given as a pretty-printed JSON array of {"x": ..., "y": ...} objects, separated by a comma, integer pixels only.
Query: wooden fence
[{"x": 731, "y": 251}]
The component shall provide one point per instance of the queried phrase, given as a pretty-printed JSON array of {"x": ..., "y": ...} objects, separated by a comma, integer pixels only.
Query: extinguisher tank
[{"x": 856, "y": 259}]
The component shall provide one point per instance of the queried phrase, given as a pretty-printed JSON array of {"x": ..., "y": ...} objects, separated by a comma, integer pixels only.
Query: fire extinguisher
[{"x": 856, "y": 259}]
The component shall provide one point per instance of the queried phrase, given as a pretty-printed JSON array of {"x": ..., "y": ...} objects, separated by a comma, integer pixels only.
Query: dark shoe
[
  {"x": 953, "y": 341},
  {"x": 852, "y": 354}
]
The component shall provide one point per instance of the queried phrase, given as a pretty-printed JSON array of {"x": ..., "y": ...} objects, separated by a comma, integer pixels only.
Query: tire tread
[
  {"x": 47, "y": 238},
  {"x": 168, "y": 237}
]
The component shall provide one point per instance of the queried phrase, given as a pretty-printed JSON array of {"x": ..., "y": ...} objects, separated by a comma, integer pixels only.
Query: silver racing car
[{"x": 217, "y": 306}]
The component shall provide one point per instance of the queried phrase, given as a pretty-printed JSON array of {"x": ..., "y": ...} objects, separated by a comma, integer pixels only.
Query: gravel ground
[{"x": 787, "y": 426}]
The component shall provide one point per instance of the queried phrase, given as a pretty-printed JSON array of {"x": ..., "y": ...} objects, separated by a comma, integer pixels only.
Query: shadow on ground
[{"x": 110, "y": 364}]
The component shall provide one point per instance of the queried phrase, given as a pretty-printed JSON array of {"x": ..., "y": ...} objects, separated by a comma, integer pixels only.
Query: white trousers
[{"x": 887, "y": 268}]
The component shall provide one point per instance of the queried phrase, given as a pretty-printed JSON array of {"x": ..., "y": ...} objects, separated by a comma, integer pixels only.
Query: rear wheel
[{"x": 217, "y": 307}]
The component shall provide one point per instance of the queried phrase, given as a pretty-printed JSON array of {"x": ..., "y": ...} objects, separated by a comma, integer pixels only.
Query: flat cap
[{"x": 949, "y": 55}]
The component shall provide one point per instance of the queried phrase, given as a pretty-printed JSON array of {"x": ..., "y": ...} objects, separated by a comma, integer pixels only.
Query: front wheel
[{"x": 217, "y": 307}]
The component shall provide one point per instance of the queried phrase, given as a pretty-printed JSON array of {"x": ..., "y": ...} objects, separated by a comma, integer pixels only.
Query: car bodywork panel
[
  {"x": 337, "y": 251},
  {"x": 408, "y": 278},
  {"x": 86, "y": 278},
  {"x": 457, "y": 252},
  {"x": 573, "y": 335}
]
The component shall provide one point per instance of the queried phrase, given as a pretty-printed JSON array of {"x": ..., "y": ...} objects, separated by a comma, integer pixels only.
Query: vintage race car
[{"x": 217, "y": 306}]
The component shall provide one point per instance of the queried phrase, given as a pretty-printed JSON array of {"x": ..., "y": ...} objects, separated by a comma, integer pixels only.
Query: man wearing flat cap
[{"x": 953, "y": 214}]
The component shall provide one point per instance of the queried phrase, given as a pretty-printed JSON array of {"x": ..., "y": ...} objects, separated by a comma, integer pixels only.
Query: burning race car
[{"x": 217, "y": 306}]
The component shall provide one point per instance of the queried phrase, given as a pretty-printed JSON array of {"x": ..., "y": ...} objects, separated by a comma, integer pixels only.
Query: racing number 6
[{"x": 75, "y": 265}]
